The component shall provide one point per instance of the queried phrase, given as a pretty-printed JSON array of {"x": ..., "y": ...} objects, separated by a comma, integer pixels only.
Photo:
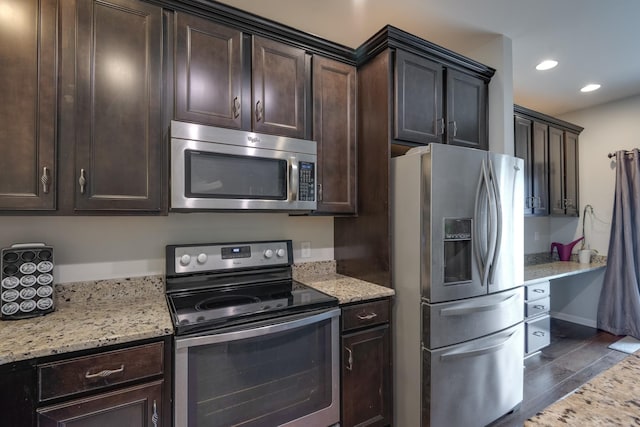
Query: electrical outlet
[{"x": 305, "y": 249}]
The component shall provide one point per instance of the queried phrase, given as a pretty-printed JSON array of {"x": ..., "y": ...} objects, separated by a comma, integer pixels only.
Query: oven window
[
  {"x": 224, "y": 176},
  {"x": 262, "y": 381}
]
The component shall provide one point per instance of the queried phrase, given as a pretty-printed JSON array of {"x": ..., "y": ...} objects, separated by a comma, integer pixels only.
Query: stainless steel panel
[
  {"x": 474, "y": 383},
  {"x": 455, "y": 322},
  {"x": 449, "y": 177},
  {"x": 537, "y": 291},
  {"x": 533, "y": 308},
  {"x": 538, "y": 334},
  {"x": 507, "y": 269}
]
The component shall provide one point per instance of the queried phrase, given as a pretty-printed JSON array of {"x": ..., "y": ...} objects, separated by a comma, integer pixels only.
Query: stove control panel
[{"x": 228, "y": 256}]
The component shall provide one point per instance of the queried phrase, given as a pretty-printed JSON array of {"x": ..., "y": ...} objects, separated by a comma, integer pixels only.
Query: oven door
[{"x": 284, "y": 373}]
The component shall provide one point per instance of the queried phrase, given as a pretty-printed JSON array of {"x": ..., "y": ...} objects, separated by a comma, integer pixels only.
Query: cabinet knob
[
  {"x": 44, "y": 179},
  {"x": 82, "y": 181},
  {"x": 259, "y": 111},
  {"x": 236, "y": 107}
]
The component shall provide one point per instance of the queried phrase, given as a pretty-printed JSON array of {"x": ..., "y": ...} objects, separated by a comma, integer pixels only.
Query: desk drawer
[
  {"x": 538, "y": 306},
  {"x": 68, "y": 377},
  {"x": 536, "y": 291},
  {"x": 365, "y": 314},
  {"x": 537, "y": 333}
]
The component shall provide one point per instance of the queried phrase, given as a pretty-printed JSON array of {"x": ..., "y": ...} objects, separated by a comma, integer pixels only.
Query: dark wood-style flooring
[{"x": 577, "y": 353}]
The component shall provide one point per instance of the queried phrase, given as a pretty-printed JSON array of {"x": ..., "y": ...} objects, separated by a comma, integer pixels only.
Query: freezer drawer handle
[
  {"x": 475, "y": 309},
  {"x": 538, "y": 333},
  {"x": 368, "y": 316},
  {"x": 473, "y": 353}
]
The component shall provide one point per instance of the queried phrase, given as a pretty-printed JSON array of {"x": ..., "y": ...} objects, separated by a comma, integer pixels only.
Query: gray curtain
[{"x": 619, "y": 305}]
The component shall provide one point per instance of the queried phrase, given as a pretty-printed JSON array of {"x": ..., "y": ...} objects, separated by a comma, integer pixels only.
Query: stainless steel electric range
[{"x": 253, "y": 347}]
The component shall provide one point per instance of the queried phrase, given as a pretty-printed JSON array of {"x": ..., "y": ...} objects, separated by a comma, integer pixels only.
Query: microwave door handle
[{"x": 293, "y": 179}]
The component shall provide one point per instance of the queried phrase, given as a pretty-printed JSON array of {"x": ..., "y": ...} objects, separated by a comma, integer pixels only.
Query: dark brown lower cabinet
[
  {"x": 139, "y": 406},
  {"x": 366, "y": 365}
]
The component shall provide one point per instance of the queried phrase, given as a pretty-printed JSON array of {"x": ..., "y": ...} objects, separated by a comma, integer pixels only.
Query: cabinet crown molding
[{"x": 523, "y": 111}]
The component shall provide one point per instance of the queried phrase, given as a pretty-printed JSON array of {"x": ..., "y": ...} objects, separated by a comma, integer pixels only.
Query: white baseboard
[{"x": 574, "y": 319}]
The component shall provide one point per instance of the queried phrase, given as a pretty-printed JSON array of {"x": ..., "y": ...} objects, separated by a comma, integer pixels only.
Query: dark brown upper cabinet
[
  {"x": 550, "y": 149},
  {"x": 119, "y": 146},
  {"x": 532, "y": 145},
  {"x": 279, "y": 87},
  {"x": 227, "y": 78},
  {"x": 334, "y": 130},
  {"x": 435, "y": 103},
  {"x": 208, "y": 72},
  {"x": 28, "y": 40}
]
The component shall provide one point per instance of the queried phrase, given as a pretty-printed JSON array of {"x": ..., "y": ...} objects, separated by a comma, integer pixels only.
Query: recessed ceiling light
[
  {"x": 590, "y": 87},
  {"x": 547, "y": 64}
]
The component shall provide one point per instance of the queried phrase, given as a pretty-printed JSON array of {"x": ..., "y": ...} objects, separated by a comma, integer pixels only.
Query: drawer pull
[
  {"x": 538, "y": 291},
  {"x": 538, "y": 333},
  {"x": 104, "y": 373},
  {"x": 369, "y": 316},
  {"x": 539, "y": 307}
]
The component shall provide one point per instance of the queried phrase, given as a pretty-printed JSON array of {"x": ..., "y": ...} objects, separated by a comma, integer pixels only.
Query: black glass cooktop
[{"x": 207, "y": 309}]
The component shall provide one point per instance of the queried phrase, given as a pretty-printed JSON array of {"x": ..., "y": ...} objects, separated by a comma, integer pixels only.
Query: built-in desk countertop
[{"x": 557, "y": 270}]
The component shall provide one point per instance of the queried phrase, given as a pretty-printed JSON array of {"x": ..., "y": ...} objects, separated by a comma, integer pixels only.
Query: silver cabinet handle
[
  {"x": 538, "y": 333},
  {"x": 82, "y": 181},
  {"x": 539, "y": 307},
  {"x": 236, "y": 107},
  {"x": 455, "y": 128},
  {"x": 259, "y": 111},
  {"x": 368, "y": 316},
  {"x": 441, "y": 123},
  {"x": 154, "y": 417},
  {"x": 538, "y": 291},
  {"x": 349, "y": 359},
  {"x": 105, "y": 373},
  {"x": 44, "y": 179}
]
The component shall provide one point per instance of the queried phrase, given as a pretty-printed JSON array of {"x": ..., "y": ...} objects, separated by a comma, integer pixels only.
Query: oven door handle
[{"x": 214, "y": 338}]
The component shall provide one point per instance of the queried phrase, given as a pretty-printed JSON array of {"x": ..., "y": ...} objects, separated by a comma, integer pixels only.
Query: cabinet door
[
  {"x": 571, "y": 174},
  {"x": 334, "y": 130},
  {"x": 138, "y": 406},
  {"x": 28, "y": 109},
  {"x": 418, "y": 99},
  {"x": 366, "y": 378},
  {"x": 279, "y": 88},
  {"x": 556, "y": 171},
  {"x": 540, "y": 169},
  {"x": 522, "y": 141},
  {"x": 208, "y": 72},
  {"x": 119, "y": 140},
  {"x": 466, "y": 110}
]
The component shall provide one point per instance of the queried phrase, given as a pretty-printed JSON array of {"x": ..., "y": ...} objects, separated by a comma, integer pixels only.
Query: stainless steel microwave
[{"x": 218, "y": 169}]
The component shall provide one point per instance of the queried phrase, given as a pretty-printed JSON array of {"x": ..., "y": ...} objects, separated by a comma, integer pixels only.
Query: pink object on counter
[{"x": 564, "y": 251}]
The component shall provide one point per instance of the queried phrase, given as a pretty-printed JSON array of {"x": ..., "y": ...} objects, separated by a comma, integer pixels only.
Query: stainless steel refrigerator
[{"x": 458, "y": 337}]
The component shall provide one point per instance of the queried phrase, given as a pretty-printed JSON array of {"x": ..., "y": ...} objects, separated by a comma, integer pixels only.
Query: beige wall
[{"x": 91, "y": 248}]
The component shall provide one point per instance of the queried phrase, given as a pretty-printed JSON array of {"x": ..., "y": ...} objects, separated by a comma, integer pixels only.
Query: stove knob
[
  {"x": 268, "y": 253},
  {"x": 280, "y": 252},
  {"x": 202, "y": 258},
  {"x": 185, "y": 259}
]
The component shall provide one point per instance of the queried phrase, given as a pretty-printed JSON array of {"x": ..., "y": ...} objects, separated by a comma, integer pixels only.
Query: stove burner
[{"x": 225, "y": 301}]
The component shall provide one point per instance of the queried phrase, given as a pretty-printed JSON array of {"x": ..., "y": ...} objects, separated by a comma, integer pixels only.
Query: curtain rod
[{"x": 611, "y": 155}]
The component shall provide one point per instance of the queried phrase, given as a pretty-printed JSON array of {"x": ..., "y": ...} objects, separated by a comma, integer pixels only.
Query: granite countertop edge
[
  {"x": 102, "y": 313},
  {"x": 558, "y": 269}
]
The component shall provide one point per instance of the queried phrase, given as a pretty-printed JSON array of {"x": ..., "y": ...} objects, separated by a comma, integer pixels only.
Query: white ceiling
[{"x": 595, "y": 41}]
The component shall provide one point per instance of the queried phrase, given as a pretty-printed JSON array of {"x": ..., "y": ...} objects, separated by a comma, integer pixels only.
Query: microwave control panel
[{"x": 307, "y": 182}]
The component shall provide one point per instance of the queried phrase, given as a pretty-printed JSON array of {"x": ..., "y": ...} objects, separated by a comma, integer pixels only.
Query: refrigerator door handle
[
  {"x": 497, "y": 228},
  {"x": 478, "y": 244},
  {"x": 478, "y": 308},
  {"x": 477, "y": 352}
]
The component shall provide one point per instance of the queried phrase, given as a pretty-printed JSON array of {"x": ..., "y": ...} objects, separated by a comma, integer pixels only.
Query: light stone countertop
[
  {"x": 558, "y": 269},
  {"x": 90, "y": 315},
  {"x": 322, "y": 276}
]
